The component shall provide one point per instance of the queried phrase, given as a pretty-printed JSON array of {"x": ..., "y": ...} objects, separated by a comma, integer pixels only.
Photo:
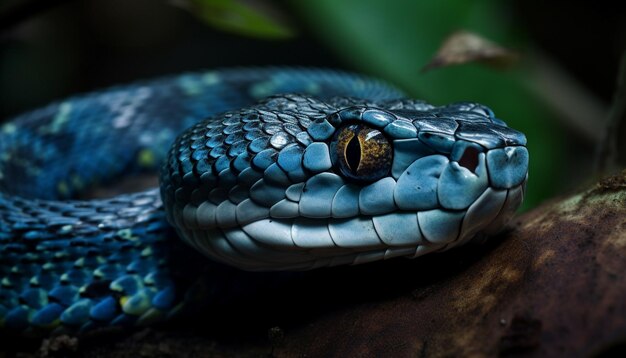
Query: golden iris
[{"x": 361, "y": 153}]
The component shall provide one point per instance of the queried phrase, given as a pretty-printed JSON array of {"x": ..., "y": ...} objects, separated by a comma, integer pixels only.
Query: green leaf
[{"x": 239, "y": 18}]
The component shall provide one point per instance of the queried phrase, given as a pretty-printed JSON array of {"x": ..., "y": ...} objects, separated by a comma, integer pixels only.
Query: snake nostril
[{"x": 469, "y": 159}]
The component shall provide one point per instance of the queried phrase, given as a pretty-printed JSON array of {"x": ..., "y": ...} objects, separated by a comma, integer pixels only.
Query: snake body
[{"x": 275, "y": 169}]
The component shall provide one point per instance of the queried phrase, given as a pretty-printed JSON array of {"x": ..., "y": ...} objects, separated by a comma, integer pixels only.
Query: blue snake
[{"x": 271, "y": 169}]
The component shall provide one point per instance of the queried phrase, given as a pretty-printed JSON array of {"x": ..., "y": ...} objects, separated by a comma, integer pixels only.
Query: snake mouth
[
  {"x": 304, "y": 243},
  {"x": 438, "y": 202}
]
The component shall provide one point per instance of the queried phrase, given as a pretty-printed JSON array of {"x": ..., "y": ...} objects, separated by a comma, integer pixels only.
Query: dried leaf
[
  {"x": 464, "y": 47},
  {"x": 250, "y": 18}
]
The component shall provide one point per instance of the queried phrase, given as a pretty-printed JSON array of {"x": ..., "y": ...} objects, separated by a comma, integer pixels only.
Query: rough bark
[{"x": 553, "y": 285}]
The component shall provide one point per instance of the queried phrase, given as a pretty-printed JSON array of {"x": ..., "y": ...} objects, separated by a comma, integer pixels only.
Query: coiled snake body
[{"x": 347, "y": 171}]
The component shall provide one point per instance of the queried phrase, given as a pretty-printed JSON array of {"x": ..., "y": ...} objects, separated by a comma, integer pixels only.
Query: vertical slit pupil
[{"x": 353, "y": 154}]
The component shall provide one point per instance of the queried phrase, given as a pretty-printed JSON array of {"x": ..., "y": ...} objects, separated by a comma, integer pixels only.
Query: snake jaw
[{"x": 454, "y": 173}]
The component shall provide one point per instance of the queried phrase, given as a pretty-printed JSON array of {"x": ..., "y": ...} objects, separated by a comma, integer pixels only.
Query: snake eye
[{"x": 361, "y": 153}]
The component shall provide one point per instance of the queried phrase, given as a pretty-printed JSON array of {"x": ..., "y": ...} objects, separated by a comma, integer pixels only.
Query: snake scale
[{"x": 276, "y": 169}]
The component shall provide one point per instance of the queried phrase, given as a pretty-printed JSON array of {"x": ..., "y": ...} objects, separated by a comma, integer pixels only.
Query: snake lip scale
[{"x": 271, "y": 169}]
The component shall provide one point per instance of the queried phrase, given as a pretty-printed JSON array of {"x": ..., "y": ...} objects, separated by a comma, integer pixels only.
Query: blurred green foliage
[
  {"x": 240, "y": 18},
  {"x": 395, "y": 39}
]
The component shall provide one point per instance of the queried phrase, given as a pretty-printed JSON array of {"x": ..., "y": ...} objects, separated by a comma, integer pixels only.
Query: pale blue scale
[
  {"x": 308, "y": 233},
  {"x": 407, "y": 151},
  {"x": 279, "y": 139},
  {"x": 472, "y": 117},
  {"x": 377, "y": 118},
  {"x": 225, "y": 215},
  {"x": 511, "y": 137},
  {"x": 345, "y": 204},
  {"x": 439, "y": 125},
  {"x": 482, "y": 212},
  {"x": 270, "y": 232},
  {"x": 513, "y": 200},
  {"x": 417, "y": 186},
  {"x": 253, "y": 249},
  {"x": 321, "y": 130},
  {"x": 438, "y": 141},
  {"x": 377, "y": 198},
  {"x": 440, "y": 226},
  {"x": 477, "y": 133},
  {"x": 317, "y": 157},
  {"x": 340, "y": 232},
  {"x": 294, "y": 192},
  {"x": 398, "y": 229},
  {"x": 350, "y": 114},
  {"x": 266, "y": 194},
  {"x": 507, "y": 166},
  {"x": 318, "y": 194},
  {"x": 284, "y": 209},
  {"x": 458, "y": 187},
  {"x": 205, "y": 215},
  {"x": 248, "y": 211},
  {"x": 304, "y": 139},
  {"x": 401, "y": 129}
]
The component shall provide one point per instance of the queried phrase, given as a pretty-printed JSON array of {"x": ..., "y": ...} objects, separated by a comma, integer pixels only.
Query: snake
[{"x": 260, "y": 169}]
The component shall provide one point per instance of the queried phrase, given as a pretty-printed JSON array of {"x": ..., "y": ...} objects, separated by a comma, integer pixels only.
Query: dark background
[{"x": 50, "y": 50}]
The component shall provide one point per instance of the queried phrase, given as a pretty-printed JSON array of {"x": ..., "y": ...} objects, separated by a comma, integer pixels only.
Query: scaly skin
[{"x": 258, "y": 188}]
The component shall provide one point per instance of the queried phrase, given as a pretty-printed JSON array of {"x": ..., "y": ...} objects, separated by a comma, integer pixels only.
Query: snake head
[{"x": 298, "y": 183}]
